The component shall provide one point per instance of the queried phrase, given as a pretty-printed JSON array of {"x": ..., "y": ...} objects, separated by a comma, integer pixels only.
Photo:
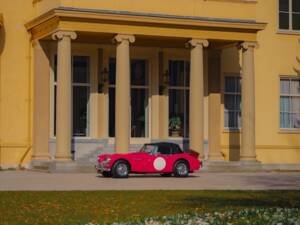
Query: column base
[
  {"x": 40, "y": 165},
  {"x": 248, "y": 158},
  {"x": 40, "y": 157},
  {"x": 63, "y": 158},
  {"x": 215, "y": 157}
]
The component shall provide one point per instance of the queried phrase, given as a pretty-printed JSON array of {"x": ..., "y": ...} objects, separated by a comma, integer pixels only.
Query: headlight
[{"x": 107, "y": 160}]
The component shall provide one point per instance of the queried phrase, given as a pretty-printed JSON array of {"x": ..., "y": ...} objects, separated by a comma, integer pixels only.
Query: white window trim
[
  {"x": 182, "y": 88},
  {"x": 290, "y": 12},
  {"x": 288, "y": 129},
  {"x": 229, "y": 129},
  {"x": 89, "y": 85}
]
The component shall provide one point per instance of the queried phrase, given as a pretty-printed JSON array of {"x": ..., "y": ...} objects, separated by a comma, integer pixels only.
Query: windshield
[{"x": 149, "y": 149}]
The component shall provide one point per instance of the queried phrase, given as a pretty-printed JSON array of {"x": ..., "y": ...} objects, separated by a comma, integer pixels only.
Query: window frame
[
  {"x": 290, "y": 78},
  {"x": 88, "y": 85},
  {"x": 235, "y": 75},
  {"x": 185, "y": 88},
  {"x": 290, "y": 13}
]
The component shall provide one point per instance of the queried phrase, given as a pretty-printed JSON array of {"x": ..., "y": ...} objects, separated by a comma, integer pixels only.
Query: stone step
[{"x": 223, "y": 166}]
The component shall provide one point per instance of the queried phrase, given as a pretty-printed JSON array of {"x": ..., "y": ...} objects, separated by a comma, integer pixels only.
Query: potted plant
[{"x": 175, "y": 126}]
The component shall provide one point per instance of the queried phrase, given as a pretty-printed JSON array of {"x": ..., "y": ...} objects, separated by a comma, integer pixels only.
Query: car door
[
  {"x": 161, "y": 162},
  {"x": 142, "y": 162}
]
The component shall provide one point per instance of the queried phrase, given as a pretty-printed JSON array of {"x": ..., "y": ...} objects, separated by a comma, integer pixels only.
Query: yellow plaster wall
[
  {"x": 275, "y": 56},
  {"x": 15, "y": 90},
  {"x": 43, "y": 6}
]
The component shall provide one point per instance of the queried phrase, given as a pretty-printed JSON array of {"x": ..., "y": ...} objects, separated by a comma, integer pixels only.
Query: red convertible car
[{"x": 163, "y": 158}]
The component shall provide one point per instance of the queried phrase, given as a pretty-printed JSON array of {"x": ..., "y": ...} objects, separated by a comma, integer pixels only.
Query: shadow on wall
[
  {"x": 231, "y": 67},
  {"x": 2, "y": 42},
  {"x": 297, "y": 68},
  {"x": 2, "y": 39}
]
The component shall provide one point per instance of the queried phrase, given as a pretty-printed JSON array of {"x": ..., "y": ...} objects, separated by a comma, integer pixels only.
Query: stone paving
[{"x": 31, "y": 180}]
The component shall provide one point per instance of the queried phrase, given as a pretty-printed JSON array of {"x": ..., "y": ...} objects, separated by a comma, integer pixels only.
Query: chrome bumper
[{"x": 101, "y": 168}]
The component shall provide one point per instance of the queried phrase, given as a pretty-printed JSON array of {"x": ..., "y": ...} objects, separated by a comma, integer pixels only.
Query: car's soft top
[{"x": 173, "y": 146}]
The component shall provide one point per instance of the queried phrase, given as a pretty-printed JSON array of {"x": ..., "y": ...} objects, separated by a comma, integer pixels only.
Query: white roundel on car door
[{"x": 159, "y": 163}]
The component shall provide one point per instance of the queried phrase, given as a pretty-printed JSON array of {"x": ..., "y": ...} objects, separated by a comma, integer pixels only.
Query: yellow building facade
[{"x": 80, "y": 78}]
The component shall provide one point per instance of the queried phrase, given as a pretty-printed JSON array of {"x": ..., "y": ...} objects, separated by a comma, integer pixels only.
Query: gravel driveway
[{"x": 29, "y": 180}]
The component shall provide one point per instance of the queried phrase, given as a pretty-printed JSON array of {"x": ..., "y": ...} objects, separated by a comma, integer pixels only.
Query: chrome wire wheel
[
  {"x": 120, "y": 169},
  {"x": 181, "y": 169}
]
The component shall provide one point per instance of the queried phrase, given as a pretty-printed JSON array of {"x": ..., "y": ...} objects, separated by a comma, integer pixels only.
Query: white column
[
  {"x": 122, "y": 131},
  {"x": 248, "y": 150},
  {"x": 197, "y": 96},
  {"x": 64, "y": 95}
]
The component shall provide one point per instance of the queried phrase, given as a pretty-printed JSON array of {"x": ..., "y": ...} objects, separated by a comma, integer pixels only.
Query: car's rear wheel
[
  {"x": 106, "y": 174},
  {"x": 181, "y": 169},
  {"x": 120, "y": 169}
]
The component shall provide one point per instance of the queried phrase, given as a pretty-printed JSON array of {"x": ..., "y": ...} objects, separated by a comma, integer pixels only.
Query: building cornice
[
  {"x": 236, "y": 1},
  {"x": 55, "y": 16},
  {"x": 64, "y": 12}
]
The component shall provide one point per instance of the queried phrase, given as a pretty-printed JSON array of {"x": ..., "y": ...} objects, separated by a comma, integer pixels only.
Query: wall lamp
[
  {"x": 103, "y": 79},
  {"x": 165, "y": 82}
]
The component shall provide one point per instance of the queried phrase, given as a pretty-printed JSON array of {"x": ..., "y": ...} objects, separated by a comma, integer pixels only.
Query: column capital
[
  {"x": 124, "y": 37},
  {"x": 59, "y": 35},
  {"x": 197, "y": 42},
  {"x": 249, "y": 45}
]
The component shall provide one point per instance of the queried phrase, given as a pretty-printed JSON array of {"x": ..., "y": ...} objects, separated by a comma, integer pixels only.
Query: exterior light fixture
[
  {"x": 165, "y": 82},
  {"x": 103, "y": 79}
]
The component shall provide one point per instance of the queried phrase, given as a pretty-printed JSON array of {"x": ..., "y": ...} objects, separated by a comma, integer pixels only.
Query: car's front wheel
[
  {"x": 181, "y": 169},
  {"x": 120, "y": 169}
]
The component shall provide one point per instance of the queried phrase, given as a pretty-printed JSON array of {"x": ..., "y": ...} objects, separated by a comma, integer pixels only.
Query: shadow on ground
[{"x": 236, "y": 199}]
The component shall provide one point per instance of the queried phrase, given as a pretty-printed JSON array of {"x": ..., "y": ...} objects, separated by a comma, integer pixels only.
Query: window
[
  {"x": 164, "y": 149},
  {"x": 80, "y": 95},
  {"x": 139, "y": 98},
  {"x": 290, "y": 103},
  {"x": 232, "y": 102},
  {"x": 289, "y": 15},
  {"x": 149, "y": 149},
  {"x": 179, "y": 96},
  {"x": 81, "y": 92},
  {"x": 176, "y": 149}
]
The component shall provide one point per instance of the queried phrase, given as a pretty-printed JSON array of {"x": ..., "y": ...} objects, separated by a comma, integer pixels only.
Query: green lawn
[{"x": 81, "y": 207}]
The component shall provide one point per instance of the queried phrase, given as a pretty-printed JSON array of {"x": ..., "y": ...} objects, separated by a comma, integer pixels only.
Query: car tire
[
  {"x": 120, "y": 169},
  {"x": 106, "y": 174},
  {"x": 166, "y": 174},
  {"x": 181, "y": 169}
]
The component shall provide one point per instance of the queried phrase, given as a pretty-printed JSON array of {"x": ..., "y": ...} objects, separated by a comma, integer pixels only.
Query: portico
[{"x": 117, "y": 39}]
